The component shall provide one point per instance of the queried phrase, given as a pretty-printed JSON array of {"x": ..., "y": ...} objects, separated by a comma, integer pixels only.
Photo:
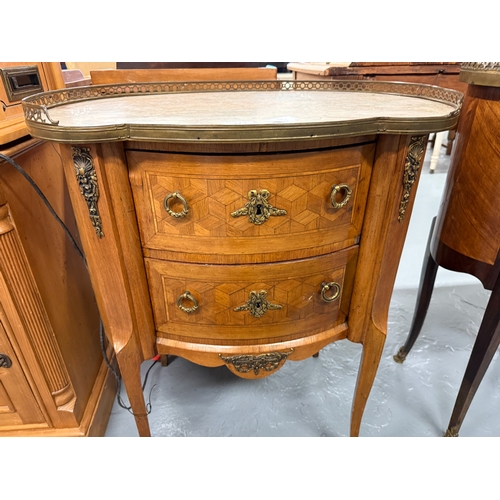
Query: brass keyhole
[{"x": 258, "y": 209}]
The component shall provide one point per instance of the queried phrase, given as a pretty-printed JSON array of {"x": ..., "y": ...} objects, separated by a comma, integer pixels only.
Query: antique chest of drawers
[{"x": 244, "y": 224}]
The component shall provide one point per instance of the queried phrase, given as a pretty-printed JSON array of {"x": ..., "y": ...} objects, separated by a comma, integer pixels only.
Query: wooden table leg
[
  {"x": 427, "y": 280},
  {"x": 487, "y": 342},
  {"x": 129, "y": 362},
  {"x": 372, "y": 351}
]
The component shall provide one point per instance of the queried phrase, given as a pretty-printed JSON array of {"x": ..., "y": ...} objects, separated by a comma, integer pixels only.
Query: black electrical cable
[
  {"x": 118, "y": 376},
  {"x": 47, "y": 204},
  {"x": 33, "y": 184}
]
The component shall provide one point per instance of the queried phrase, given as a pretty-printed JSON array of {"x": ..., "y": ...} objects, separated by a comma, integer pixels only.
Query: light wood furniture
[
  {"x": 107, "y": 76},
  {"x": 19, "y": 80},
  {"x": 442, "y": 74},
  {"x": 198, "y": 65},
  {"x": 53, "y": 379},
  {"x": 75, "y": 78},
  {"x": 246, "y": 223},
  {"x": 465, "y": 235}
]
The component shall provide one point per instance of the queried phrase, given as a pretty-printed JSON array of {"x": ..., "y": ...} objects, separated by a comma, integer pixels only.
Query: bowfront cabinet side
[{"x": 234, "y": 225}]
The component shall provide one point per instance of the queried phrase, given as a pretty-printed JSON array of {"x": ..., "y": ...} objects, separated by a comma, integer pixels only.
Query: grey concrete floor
[{"x": 313, "y": 397}]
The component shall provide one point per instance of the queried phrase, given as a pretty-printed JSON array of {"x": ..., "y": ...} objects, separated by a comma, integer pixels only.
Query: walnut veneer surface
[{"x": 232, "y": 224}]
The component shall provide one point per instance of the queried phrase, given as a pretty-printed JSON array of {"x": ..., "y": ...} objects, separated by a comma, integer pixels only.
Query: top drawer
[{"x": 276, "y": 206}]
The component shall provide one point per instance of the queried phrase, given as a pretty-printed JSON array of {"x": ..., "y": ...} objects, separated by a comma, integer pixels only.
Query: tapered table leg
[
  {"x": 487, "y": 342},
  {"x": 426, "y": 286}
]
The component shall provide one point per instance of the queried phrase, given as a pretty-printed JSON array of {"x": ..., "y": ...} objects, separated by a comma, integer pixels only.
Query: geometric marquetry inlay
[
  {"x": 232, "y": 202},
  {"x": 258, "y": 299},
  {"x": 303, "y": 203}
]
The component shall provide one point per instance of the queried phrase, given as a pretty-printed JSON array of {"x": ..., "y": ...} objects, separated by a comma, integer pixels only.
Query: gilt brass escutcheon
[
  {"x": 246, "y": 363},
  {"x": 187, "y": 296},
  {"x": 258, "y": 208},
  {"x": 258, "y": 305},
  {"x": 340, "y": 188},
  {"x": 174, "y": 196}
]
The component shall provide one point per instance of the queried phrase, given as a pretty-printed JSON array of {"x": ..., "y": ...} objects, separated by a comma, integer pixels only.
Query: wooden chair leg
[
  {"x": 372, "y": 351},
  {"x": 130, "y": 368},
  {"x": 427, "y": 280},
  {"x": 164, "y": 360},
  {"x": 487, "y": 342}
]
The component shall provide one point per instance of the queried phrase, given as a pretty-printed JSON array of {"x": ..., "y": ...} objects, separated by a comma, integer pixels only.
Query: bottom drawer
[{"x": 256, "y": 303}]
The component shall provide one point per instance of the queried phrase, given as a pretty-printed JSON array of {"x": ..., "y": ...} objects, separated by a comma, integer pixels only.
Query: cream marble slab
[{"x": 245, "y": 108}]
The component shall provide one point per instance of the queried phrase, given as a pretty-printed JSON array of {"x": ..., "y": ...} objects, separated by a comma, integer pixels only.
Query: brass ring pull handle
[
  {"x": 5, "y": 361},
  {"x": 178, "y": 196},
  {"x": 340, "y": 188},
  {"x": 326, "y": 287},
  {"x": 187, "y": 296}
]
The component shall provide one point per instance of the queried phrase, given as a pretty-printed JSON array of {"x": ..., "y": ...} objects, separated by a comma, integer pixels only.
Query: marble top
[{"x": 242, "y": 115}]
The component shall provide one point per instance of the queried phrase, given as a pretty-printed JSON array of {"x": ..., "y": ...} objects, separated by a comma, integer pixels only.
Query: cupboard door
[{"x": 18, "y": 405}]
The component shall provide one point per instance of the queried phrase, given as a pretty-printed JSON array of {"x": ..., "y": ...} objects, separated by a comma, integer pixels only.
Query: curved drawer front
[
  {"x": 243, "y": 205},
  {"x": 260, "y": 302}
]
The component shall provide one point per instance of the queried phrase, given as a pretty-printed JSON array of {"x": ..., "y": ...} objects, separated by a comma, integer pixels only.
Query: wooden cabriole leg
[
  {"x": 111, "y": 244},
  {"x": 427, "y": 280},
  {"x": 396, "y": 171},
  {"x": 372, "y": 351},
  {"x": 487, "y": 342},
  {"x": 129, "y": 362}
]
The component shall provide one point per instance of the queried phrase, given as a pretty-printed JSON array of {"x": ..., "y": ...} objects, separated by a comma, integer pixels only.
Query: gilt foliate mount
[{"x": 87, "y": 181}]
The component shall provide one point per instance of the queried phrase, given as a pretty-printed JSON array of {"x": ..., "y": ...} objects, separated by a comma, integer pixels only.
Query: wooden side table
[
  {"x": 243, "y": 224},
  {"x": 465, "y": 235}
]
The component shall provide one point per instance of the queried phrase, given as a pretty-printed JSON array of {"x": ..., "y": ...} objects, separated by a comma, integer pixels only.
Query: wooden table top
[
  {"x": 374, "y": 68},
  {"x": 287, "y": 110}
]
